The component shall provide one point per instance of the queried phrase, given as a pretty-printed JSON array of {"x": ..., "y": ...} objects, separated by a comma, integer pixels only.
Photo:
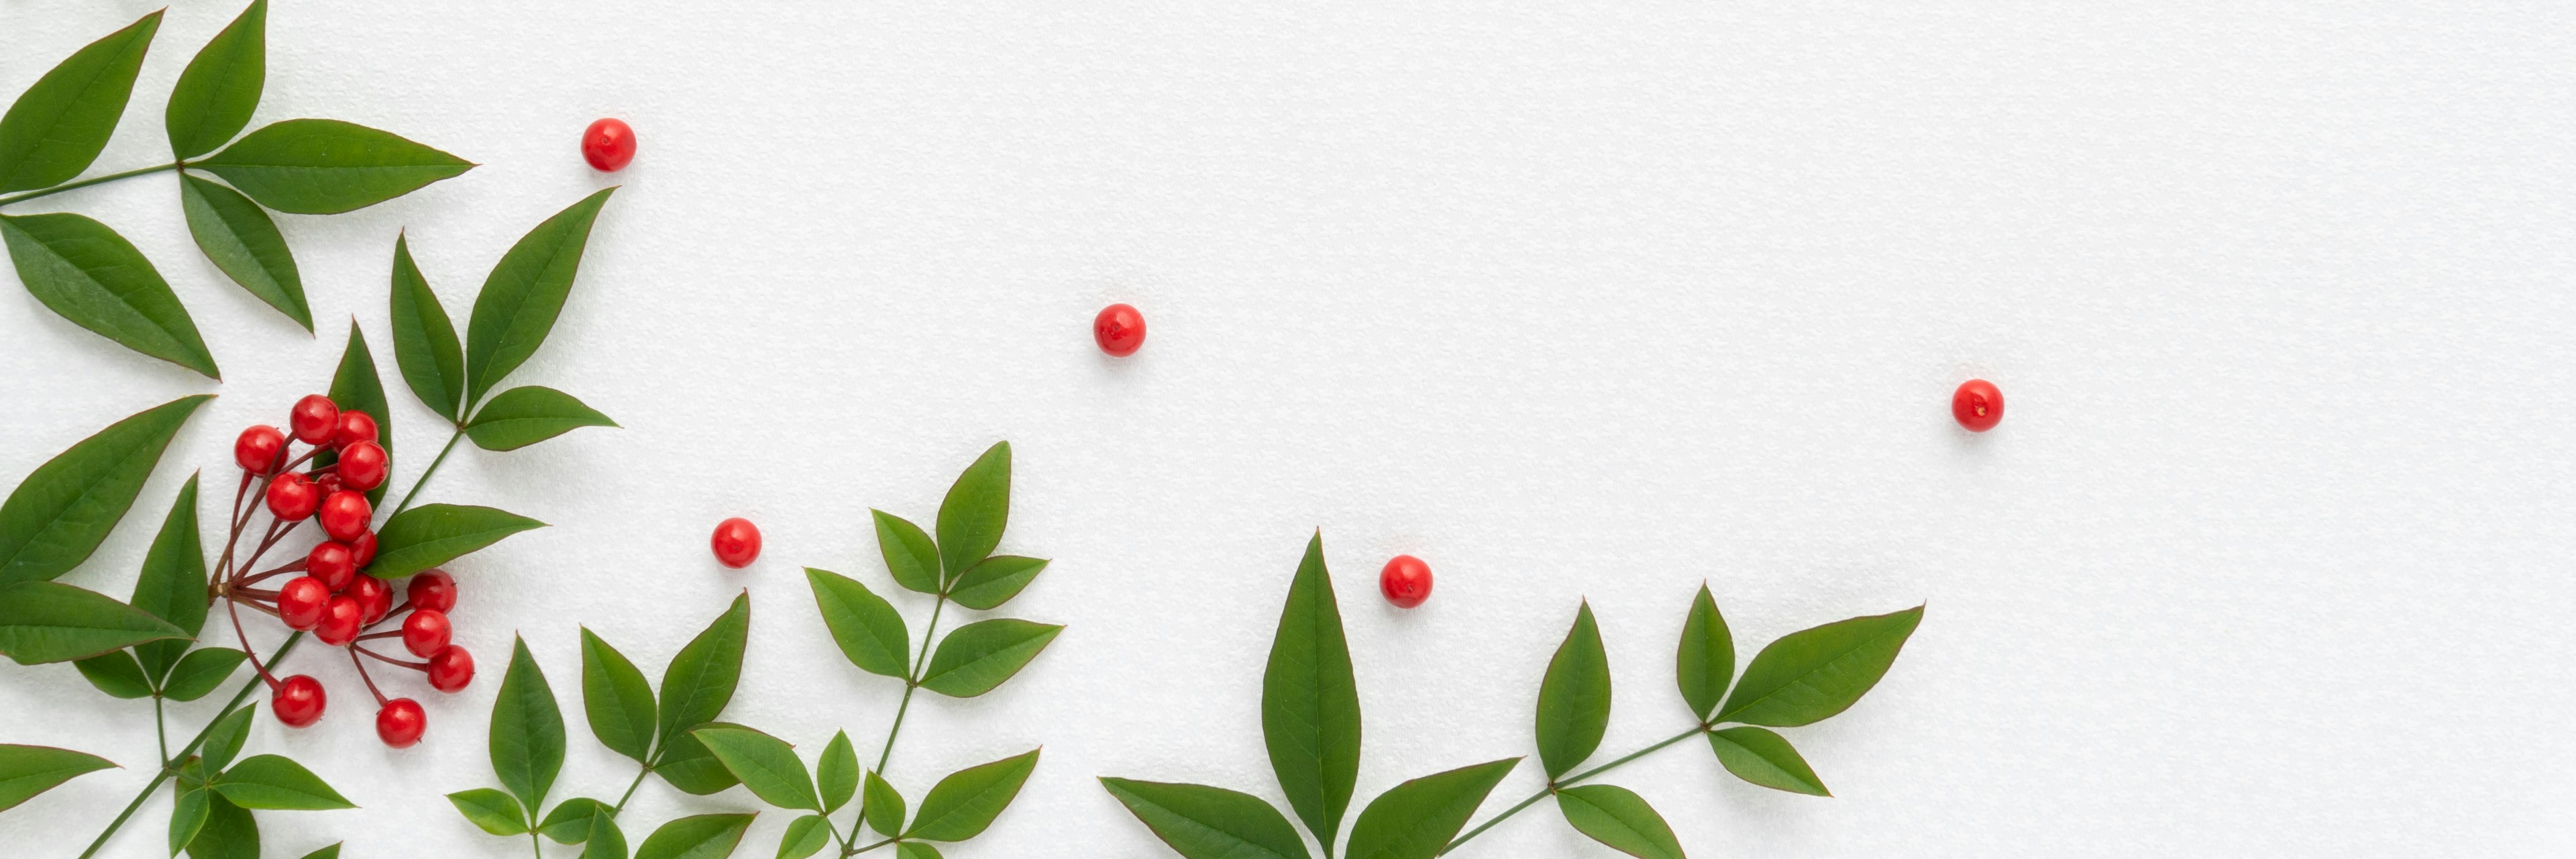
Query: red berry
[
  {"x": 400, "y": 722},
  {"x": 362, "y": 465},
  {"x": 291, "y": 497},
  {"x": 345, "y": 515},
  {"x": 354, "y": 427},
  {"x": 608, "y": 144},
  {"x": 326, "y": 483},
  {"x": 362, "y": 551},
  {"x": 434, "y": 590},
  {"x": 736, "y": 542},
  {"x": 1406, "y": 581},
  {"x": 425, "y": 632},
  {"x": 314, "y": 419},
  {"x": 297, "y": 701},
  {"x": 257, "y": 450},
  {"x": 341, "y": 619},
  {"x": 451, "y": 669},
  {"x": 332, "y": 564},
  {"x": 300, "y": 602},
  {"x": 374, "y": 599},
  {"x": 1119, "y": 330},
  {"x": 1978, "y": 405}
]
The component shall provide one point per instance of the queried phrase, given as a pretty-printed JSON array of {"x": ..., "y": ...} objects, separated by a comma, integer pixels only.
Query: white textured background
[{"x": 2270, "y": 556}]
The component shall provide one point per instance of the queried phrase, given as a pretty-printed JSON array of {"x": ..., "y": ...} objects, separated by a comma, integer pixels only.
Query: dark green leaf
[
  {"x": 54, "y": 622},
  {"x": 871, "y": 634},
  {"x": 973, "y": 515},
  {"x": 356, "y": 387},
  {"x": 705, "y": 836},
  {"x": 495, "y": 812},
  {"x": 173, "y": 584},
  {"x": 275, "y": 783},
  {"x": 960, "y": 806},
  {"x": 1763, "y": 757},
  {"x": 85, "y": 271},
  {"x": 221, "y": 87},
  {"x": 915, "y": 850},
  {"x": 115, "y": 673},
  {"x": 766, "y": 765},
  {"x": 1414, "y": 820},
  {"x": 883, "y": 807},
  {"x": 605, "y": 840},
  {"x": 1811, "y": 674},
  {"x": 229, "y": 833},
  {"x": 524, "y": 294},
  {"x": 425, "y": 345},
  {"x": 325, "y": 166},
  {"x": 686, "y": 764},
  {"x": 188, "y": 816},
  {"x": 200, "y": 672},
  {"x": 433, "y": 534},
  {"x": 995, "y": 580},
  {"x": 699, "y": 681},
  {"x": 60, "y": 513},
  {"x": 526, "y": 415},
  {"x": 569, "y": 823},
  {"x": 616, "y": 698},
  {"x": 1202, "y": 822},
  {"x": 805, "y": 835},
  {"x": 1706, "y": 661},
  {"x": 1618, "y": 817},
  {"x": 57, "y": 127},
  {"x": 979, "y": 656},
  {"x": 238, "y": 236},
  {"x": 836, "y": 775},
  {"x": 224, "y": 739},
  {"x": 1310, "y": 705},
  {"x": 909, "y": 554},
  {"x": 1574, "y": 699},
  {"x": 330, "y": 852},
  {"x": 29, "y": 770},
  {"x": 527, "y": 730}
]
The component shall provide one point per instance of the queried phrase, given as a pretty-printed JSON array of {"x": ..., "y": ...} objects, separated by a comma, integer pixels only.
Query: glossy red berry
[
  {"x": 400, "y": 722},
  {"x": 291, "y": 497},
  {"x": 1978, "y": 405},
  {"x": 1406, "y": 581},
  {"x": 434, "y": 590},
  {"x": 374, "y": 597},
  {"x": 326, "y": 483},
  {"x": 258, "y": 449},
  {"x": 736, "y": 542},
  {"x": 425, "y": 632},
  {"x": 341, "y": 619},
  {"x": 331, "y": 564},
  {"x": 362, "y": 466},
  {"x": 314, "y": 419},
  {"x": 1119, "y": 330},
  {"x": 362, "y": 551},
  {"x": 297, "y": 700},
  {"x": 451, "y": 669},
  {"x": 608, "y": 144},
  {"x": 354, "y": 427},
  {"x": 345, "y": 515},
  {"x": 300, "y": 603}
]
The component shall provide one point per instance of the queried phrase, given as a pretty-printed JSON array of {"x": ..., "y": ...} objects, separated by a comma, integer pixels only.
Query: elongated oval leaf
[
  {"x": 229, "y": 831},
  {"x": 173, "y": 584},
  {"x": 871, "y": 634},
  {"x": 1574, "y": 698},
  {"x": 325, "y": 166},
  {"x": 699, "y": 681},
  {"x": 704, "y": 836},
  {"x": 495, "y": 812},
  {"x": 200, "y": 672},
  {"x": 1202, "y": 822},
  {"x": 29, "y": 770},
  {"x": 686, "y": 764},
  {"x": 836, "y": 774},
  {"x": 805, "y": 835},
  {"x": 187, "y": 816},
  {"x": 60, "y": 513},
  {"x": 909, "y": 554},
  {"x": 616, "y": 699},
  {"x": 605, "y": 840},
  {"x": 1763, "y": 757},
  {"x": 433, "y": 534},
  {"x": 54, "y": 622},
  {"x": 979, "y": 656},
  {"x": 95, "y": 278},
  {"x": 425, "y": 344},
  {"x": 357, "y": 387},
  {"x": 1415, "y": 819},
  {"x": 1705, "y": 662},
  {"x": 884, "y": 806},
  {"x": 976, "y": 510},
  {"x": 527, "y": 741},
  {"x": 960, "y": 806},
  {"x": 524, "y": 294},
  {"x": 225, "y": 738},
  {"x": 1618, "y": 817},
  {"x": 569, "y": 823},
  {"x": 275, "y": 783},
  {"x": 1812, "y": 674},
  {"x": 216, "y": 94},
  {"x": 115, "y": 673},
  {"x": 767, "y": 766},
  {"x": 57, "y": 127},
  {"x": 526, "y": 415},
  {"x": 995, "y": 580},
  {"x": 238, "y": 236},
  {"x": 1310, "y": 705}
]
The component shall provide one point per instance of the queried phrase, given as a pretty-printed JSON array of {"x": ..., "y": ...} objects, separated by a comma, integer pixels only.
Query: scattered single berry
[
  {"x": 300, "y": 603},
  {"x": 1119, "y": 330},
  {"x": 400, "y": 722},
  {"x": 608, "y": 144},
  {"x": 355, "y": 426},
  {"x": 425, "y": 632},
  {"x": 375, "y": 598},
  {"x": 451, "y": 669},
  {"x": 736, "y": 542},
  {"x": 341, "y": 619},
  {"x": 258, "y": 448},
  {"x": 297, "y": 700},
  {"x": 314, "y": 419},
  {"x": 1406, "y": 581},
  {"x": 434, "y": 590},
  {"x": 332, "y": 564},
  {"x": 1978, "y": 405},
  {"x": 362, "y": 551},
  {"x": 345, "y": 515},
  {"x": 291, "y": 498},
  {"x": 362, "y": 466}
]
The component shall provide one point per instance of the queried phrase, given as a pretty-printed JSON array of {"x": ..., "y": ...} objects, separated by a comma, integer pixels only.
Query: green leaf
[
  {"x": 1574, "y": 699},
  {"x": 1202, "y": 822},
  {"x": 1618, "y": 817},
  {"x": 1706, "y": 660},
  {"x": 115, "y": 673},
  {"x": 915, "y": 850},
  {"x": 979, "y": 656},
  {"x": 605, "y": 840},
  {"x": 58, "y": 126},
  {"x": 60, "y": 513},
  {"x": 29, "y": 770},
  {"x": 527, "y": 740},
  {"x": 495, "y": 812},
  {"x": 699, "y": 681},
  {"x": 188, "y": 817},
  {"x": 53, "y": 622},
  {"x": 229, "y": 833},
  {"x": 686, "y": 763},
  {"x": 805, "y": 835},
  {"x": 200, "y": 672},
  {"x": 275, "y": 783},
  {"x": 871, "y": 634},
  {"x": 216, "y": 94},
  {"x": 433, "y": 534},
  {"x": 329, "y": 852},
  {"x": 569, "y": 823},
  {"x": 960, "y": 806},
  {"x": 90, "y": 275},
  {"x": 355, "y": 386},
  {"x": 704, "y": 836},
  {"x": 1310, "y": 705},
  {"x": 1415, "y": 819},
  {"x": 616, "y": 698},
  {"x": 978, "y": 506},
  {"x": 883, "y": 807},
  {"x": 768, "y": 766},
  {"x": 525, "y": 293},
  {"x": 239, "y": 238},
  {"x": 526, "y": 415},
  {"x": 425, "y": 345},
  {"x": 224, "y": 740},
  {"x": 1763, "y": 757},
  {"x": 836, "y": 776},
  {"x": 325, "y": 166},
  {"x": 909, "y": 554},
  {"x": 995, "y": 580},
  {"x": 1812, "y": 674},
  {"x": 173, "y": 585}
]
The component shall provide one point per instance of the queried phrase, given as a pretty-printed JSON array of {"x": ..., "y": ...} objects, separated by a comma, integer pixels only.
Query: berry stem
[
  {"x": 234, "y": 606},
  {"x": 174, "y": 165},
  {"x": 1569, "y": 781},
  {"x": 415, "y": 666},
  {"x": 425, "y": 473},
  {"x": 164, "y": 774},
  {"x": 362, "y": 675}
]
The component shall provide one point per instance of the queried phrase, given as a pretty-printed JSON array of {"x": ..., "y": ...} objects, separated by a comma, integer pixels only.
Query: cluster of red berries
[{"x": 333, "y": 599}]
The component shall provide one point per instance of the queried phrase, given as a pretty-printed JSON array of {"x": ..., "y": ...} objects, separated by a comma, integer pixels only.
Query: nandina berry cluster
[{"x": 333, "y": 598}]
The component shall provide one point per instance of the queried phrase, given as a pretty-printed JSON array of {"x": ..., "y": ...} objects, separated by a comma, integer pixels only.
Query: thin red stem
[
  {"x": 233, "y": 606},
  {"x": 390, "y": 633},
  {"x": 362, "y": 675},
  {"x": 415, "y": 666},
  {"x": 255, "y": 596}
]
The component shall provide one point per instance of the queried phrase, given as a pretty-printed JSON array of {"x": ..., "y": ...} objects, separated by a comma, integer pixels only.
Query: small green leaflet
[
  {"x": 686, "y": 764},
  {"x": 1414, "y": 820},
  {"x": 976, "y": 510},
  {"x": 1812, "y": 674},
  {"x": 909, "y": 554},
  {"x": 64, "y": 509},
  {"x": 1202, "y": 822},
  {"x": 1618, "y": 817},
  {"x": 188, "y": 816},
  {"x": 173, "y": 585},
  {"x": 805, "y": 835},
  {"x": 240, "y": 239},
  {"x": 274, "y": 783},
  {"x": 1574, "y": 698},
  {"x": 1705, "y": 661},
  {"x": 526, "y": 415},
  {"x": 355, "y": 385},
  {"x": 433, "y": 534},
  {"x": 883, "y": 807},
  {"x": 569, "y": 823},
  {"x": 960, "y": 806},
  {"x": 836, "y": 776},
  {"x": 216, "y": 94},
  {"x": 615, "y": 697},
  {"x": 84, "y": 271},
  {"x": 524, "y": 294},
  {"x": 979, "y": 656},
  {"x": 605, "y": 840},
  {"x": 425, "y": 345},
  {"x": 330, "y": 852},
  {"x": 57, "y": 127},
  {"x": 527, "y": 742},
  {"x": 198, "y": 673},
  {"x": 325, "y": 166},
  {"x": 53, "y": 622},
  {"x": 229, "y": 831},
  {"x": 871, "y": 634},
  {"x": 1310, "y": 704},
  {"x": 115, "y": 673},
  {"x": 225, "y": 738},
  {"x": 704, "y": 836},
  {"x": 1763, "y": 757},
  {"x": 701, "y": 677},
  {"x": 29, "y": 770},
  {"x": 490, "y": 809},
  {"x": 995, "y": 580},
  {"x": 766, "y": 765},
  {"x": 915, "y": 850}
]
